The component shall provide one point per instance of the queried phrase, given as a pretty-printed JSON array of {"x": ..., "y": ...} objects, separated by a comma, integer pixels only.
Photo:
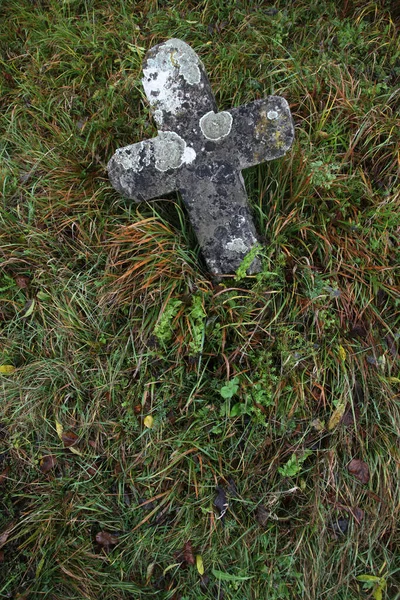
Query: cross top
[{"x": 200, "y": 152}]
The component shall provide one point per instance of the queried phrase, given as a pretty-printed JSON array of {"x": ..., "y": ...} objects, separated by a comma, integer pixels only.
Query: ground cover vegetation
[{"x": 163, "y": 435}]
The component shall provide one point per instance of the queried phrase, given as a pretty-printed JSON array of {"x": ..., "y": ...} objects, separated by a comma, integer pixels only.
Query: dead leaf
[
  {"x": 28, "y": 309},
  {"x": 221, "y": 501},
  {"x": 188, "y": 555},
  {"x": 69, "y": 438},
  {"x": 358, "y": 514},
  {"x": 336, "y": 416},
  {"x": 350, "y": 416},
  {"x": 359, "y": 469},
  {"x": 262, "y": 515},
  {"x": 47, "y": 463},
  {"x": 59, "y": 429},
  {"x": 4, "y": 536},
  {"x": 106, "y": 539},
  {"x": 3, "y": 476},
  {"x": 22, "y": 281},
  {"x": 1, "y": 556}
]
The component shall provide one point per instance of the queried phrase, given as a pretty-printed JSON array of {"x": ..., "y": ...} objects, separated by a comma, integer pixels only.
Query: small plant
[
  {"x": 294, "y": 465},
  {"x": 323, "y": 175},
  {"x": 163, "y": 330}
]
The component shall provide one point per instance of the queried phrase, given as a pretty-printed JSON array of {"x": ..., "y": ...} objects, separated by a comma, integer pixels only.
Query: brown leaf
[
  {"x": 69, "y": 438},
  {"x": 4, "y": 536},
  {"x": 188, "y": 555},
  {"x": 358, "y": 514},
  {"x": 262, "y": 515},
  {"x": 22, "y": 281},
  {"x": 105, "y": 539},
  {"x": 1, "y": 556},
  {"x": 3, "y": 475},
  {"x": 359, "y": 469},
  {"x": 47, "y": 463},
  {"x": 350, "y": 417}
]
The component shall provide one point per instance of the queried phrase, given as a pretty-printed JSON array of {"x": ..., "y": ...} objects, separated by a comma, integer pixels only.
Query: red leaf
[
  {"x": 359, "y": 469},
  {"x": 69, "y": 438},
  {"x": 47, "y": 463}
]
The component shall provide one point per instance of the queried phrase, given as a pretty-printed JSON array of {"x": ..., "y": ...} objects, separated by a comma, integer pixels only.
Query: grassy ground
[{"x": 139, "y": 397}]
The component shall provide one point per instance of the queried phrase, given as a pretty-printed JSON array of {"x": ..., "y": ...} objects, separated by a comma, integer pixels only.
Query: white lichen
[
  {"x": 170, "y": 151},
  {"x": 162, "y": 81},
  {"x": 237, "y": 245},
  {"x": 215, "y": 126}
]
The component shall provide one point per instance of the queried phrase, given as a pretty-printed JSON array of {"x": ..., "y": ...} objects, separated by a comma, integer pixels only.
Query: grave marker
[{"x": 201, "y": 152}]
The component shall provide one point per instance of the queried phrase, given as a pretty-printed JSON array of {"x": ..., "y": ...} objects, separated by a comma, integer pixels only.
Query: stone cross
[{"x": 201, "y": 152}]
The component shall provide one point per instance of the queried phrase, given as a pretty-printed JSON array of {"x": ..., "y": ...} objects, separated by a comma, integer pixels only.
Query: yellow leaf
[
  {"x": 59, "y": 429},
  {"x": 7, "y": 369},
  {"x": 148, "y": 421},
  {"x": 75, "y": 450},
  {"x": 336, "y": 416},
  {"x": 199, "y": 564},
  {"x": 342, "y": 353}
]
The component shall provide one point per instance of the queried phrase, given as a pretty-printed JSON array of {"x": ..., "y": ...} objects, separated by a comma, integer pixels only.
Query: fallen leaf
[
  {"x": 7, "y": 369},
  {"x": 3, "y": 476},
  {"x": 204, "y": 581},
  {"x": 200, "y": 564},
  {"x": 149, "y": 572},
  {"x": 69, "y": 438},
  {"x": 351, "y": 416},
  {"x": 342, "y": 353},
  {"x": 262, "y": 515},
  {"x": 188, "y": 555},
  {"x": 221, "y": 501},
  {"x": 359, "y": 469},
  {"x": 148, "y": 421},
  {"x": 59, "y": 429},
  {"x": 340, "y": 526},
  {"x": 358, "y": 514},
  {"x": 47, "y": 463},
  {"x": 336, "y": 416},
  {"x": 28, "y": 309},
  {"x": 105, "y": 539},
  {"x": 1, "y": 556},
  {"x": 318, "y": 424},
  {"x": 22, "y": 281},
  {"x": 4, "y": 536}
]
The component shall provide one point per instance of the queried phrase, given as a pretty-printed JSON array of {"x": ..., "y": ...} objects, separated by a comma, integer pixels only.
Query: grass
[{"x": 261, "y": 389}]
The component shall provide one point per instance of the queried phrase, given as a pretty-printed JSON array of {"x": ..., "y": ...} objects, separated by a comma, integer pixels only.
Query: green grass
[{"x": 265, "y": 386}]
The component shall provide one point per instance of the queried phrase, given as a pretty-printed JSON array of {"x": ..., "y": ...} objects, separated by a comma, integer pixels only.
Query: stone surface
[{"x": 200, "y": 152}]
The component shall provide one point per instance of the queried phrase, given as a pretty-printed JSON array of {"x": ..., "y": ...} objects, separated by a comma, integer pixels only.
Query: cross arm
[
  {"x": 151, "y": 168},
  {"x": 262, "y": 130}
]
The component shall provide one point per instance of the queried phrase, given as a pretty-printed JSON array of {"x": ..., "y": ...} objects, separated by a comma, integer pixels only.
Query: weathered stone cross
[{"x": 200, "y": 153}]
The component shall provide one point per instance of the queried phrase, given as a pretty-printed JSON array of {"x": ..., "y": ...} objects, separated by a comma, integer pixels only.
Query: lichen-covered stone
[{"x": 200, "y": 152}]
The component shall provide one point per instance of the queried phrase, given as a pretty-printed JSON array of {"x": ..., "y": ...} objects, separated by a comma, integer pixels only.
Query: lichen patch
[
  {"x": 170, "y": 151},
  {"x": 237, "y": 245},
  {"x": 215, "y": 126}
]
